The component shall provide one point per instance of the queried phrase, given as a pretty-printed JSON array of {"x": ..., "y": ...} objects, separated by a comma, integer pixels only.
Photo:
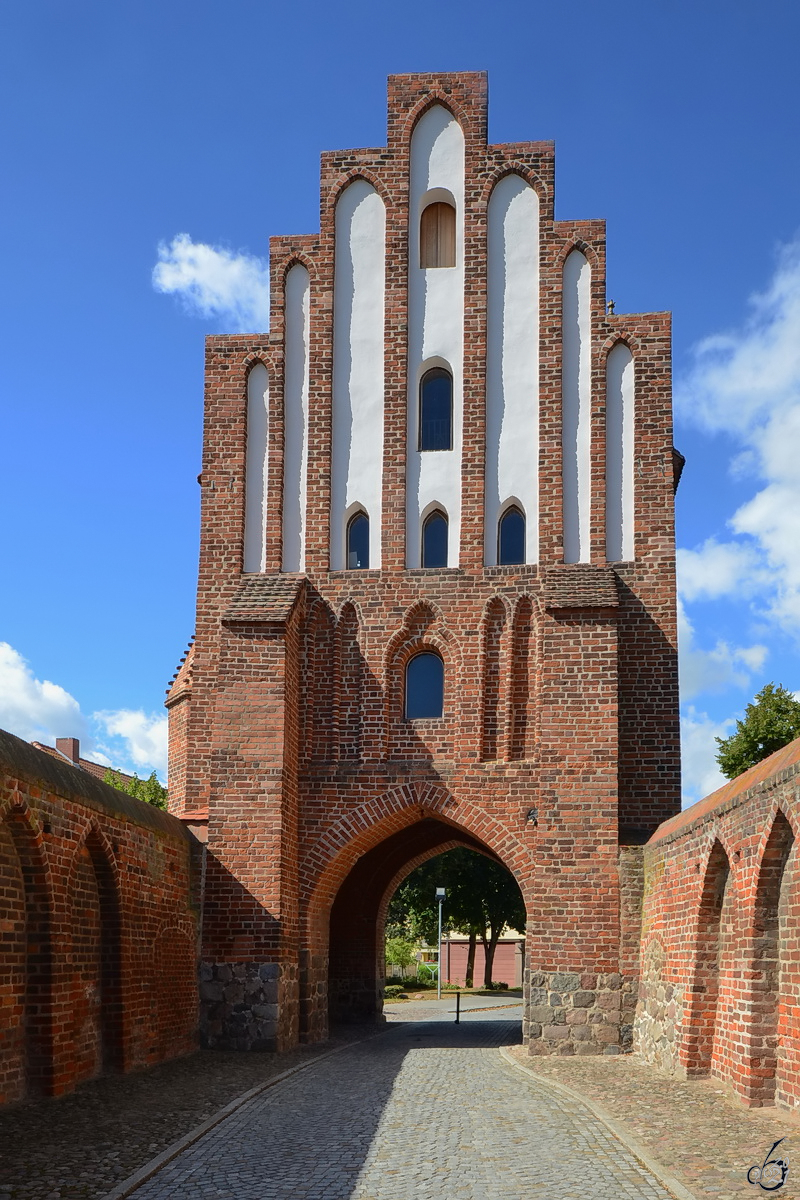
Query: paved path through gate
[{"x": 425, "y": 1111}]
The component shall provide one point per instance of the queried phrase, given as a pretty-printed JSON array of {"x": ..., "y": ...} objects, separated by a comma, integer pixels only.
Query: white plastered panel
[
  {"x": 435, "y": 327},
  {"x": 255, "y": 512},
  {"x": 576, "y": 401},
  {"x": 295, "y": 410},
  {"x": 512, "y": 381},
  {"x": 358, "y": 356},
  {"x": 619, "y": 455}
]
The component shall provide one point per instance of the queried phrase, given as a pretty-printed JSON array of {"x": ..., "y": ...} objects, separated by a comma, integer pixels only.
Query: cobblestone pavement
[
  {"x": 79, "y": 1146},
  {"x": 696, "y": 1128},
  {"x": 429, "y": 1110}
]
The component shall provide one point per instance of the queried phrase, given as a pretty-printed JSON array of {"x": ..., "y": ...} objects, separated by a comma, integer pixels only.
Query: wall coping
[
  {"x": 778, "y": 768},
  {"x": 21, "y": 760}
]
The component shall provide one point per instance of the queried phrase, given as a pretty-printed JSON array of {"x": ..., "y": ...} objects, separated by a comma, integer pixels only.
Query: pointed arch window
[
  {"x": 511, "y": 537},
  {"x": 358, "y": 542},
  {"x": 424, "y": 687},
  {"x": 436, "y": 410},
  {"x": 437, "y": 235},
  {"x": 434, "y": 540}
]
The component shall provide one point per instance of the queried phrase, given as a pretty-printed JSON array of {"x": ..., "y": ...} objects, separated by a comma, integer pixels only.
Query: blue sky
[{"x": 127, "y": 126}]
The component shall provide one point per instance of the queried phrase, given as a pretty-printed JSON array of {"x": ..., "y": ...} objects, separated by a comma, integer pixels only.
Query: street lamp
[{"x": 440, "y": 895}]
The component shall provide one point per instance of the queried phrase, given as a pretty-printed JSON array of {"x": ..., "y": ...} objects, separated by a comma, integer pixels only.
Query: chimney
[{"x": 70, "y": 748}]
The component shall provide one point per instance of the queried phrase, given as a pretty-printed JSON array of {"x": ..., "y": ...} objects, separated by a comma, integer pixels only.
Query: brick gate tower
[{"x": 436, "y": 599}]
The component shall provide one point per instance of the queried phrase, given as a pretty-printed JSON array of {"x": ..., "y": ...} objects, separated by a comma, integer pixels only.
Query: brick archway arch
[
  {"x": 353, "y": 868},
  {"x": 331, "y": 858}
]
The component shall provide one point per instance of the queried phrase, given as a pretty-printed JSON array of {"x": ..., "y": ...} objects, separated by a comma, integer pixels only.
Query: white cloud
[
  {"x": 35, "y": 709},
  {"x": 214, "y": 282},
  {"x": 718, "y": 569},
  {"x": 700, "y": 772},
  {"x": 40, "y": 711},
  {"x": 746, "y": 383},
  {"x": 717, "y": 669},
  {"x": 144, "y": 737}
]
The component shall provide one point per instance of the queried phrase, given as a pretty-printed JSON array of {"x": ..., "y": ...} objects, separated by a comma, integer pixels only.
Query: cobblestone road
[{"x": 428, "y": 1110}]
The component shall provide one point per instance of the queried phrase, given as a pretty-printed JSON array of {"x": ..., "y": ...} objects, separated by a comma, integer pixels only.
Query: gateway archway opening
[
  {"x": 483, "y": 924},
  {"x": 356, "y": 962}
]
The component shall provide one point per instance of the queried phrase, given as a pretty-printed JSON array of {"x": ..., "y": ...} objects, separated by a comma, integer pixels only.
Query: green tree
[
  {"x": 482, "y": 899},
  {"x": 400, "y": 952},
  {"x": 771, "y": 721},
  {"x": 149, "y": 790}
]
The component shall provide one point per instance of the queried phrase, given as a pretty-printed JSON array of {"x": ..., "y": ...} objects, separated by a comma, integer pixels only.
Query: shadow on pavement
[{"x": 309, "y": 1138}]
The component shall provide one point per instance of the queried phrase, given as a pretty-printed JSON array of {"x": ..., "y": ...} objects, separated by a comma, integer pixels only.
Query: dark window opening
[
  {"x": 437, "y": 236},
  {"x": 424, "y": 687},
  {"x": 511, "y": 538},
  {"x": 434, "y": 540},
  {"x": 358, "y": 542},
  {"x": 436, "y": 410}
]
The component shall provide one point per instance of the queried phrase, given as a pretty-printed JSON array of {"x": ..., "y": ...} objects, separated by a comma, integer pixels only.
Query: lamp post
[{"x": 440, "y": 895}]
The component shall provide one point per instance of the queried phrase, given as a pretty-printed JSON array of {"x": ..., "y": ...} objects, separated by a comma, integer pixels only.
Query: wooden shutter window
[{"x": 437, "y": 236}]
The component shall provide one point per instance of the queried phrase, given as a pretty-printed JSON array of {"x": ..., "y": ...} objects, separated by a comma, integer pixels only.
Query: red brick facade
[
  {"x": 98, "y": 927},
  {"x": 559, "y": 739},
  {"x": 720, "y": 989}
]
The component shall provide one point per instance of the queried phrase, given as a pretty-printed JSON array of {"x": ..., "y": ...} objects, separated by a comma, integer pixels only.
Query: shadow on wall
[{"x": 649, "y": 730}]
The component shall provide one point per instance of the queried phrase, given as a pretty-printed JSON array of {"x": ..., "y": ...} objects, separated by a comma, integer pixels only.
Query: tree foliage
[
  {"x": 770, "y": 722},
  {"x": 400, "y": 952},
  {"x": 482, "y": 899},
  {"x": 149, "y": 790}
]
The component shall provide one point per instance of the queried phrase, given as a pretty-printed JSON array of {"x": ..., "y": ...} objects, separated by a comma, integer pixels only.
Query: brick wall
[
  {"x": 720, "y": 991},
  {"x": 98, "y": 925}
]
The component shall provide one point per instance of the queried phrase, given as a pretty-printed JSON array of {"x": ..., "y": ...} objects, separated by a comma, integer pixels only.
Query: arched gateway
[{"x": 342, "y": 716}]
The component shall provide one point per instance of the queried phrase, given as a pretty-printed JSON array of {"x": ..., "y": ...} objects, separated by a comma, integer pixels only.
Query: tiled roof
[
  {"x": 269, "y": 598},
  {"x": 85, "y": 764},
  {"x": 778, "y": 763},
  {"x": 580, "y": 585}
]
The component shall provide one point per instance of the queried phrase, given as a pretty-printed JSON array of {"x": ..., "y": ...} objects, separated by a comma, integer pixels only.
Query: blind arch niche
[{"x": 619, "y": 454}]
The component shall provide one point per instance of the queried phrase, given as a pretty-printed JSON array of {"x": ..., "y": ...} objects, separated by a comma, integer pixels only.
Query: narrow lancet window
[
  {"x": 511, "y": 538},
  {"x": 434, "y": 540},
  {"x": 437, "y": 236},
  {"x": 424, "y": 687},
  {"x": 436, "y": 410},
  {"x": 358, "y": 542}
]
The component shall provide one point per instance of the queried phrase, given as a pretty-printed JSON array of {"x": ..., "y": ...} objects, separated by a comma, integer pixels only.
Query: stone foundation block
[
  {"x": 239, "y": 1006},
  {"x": 566, "y": 1015}
]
